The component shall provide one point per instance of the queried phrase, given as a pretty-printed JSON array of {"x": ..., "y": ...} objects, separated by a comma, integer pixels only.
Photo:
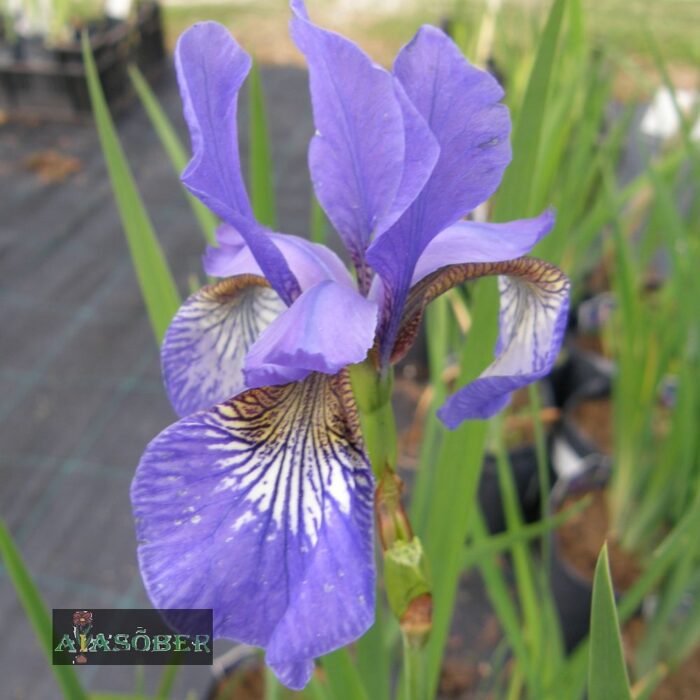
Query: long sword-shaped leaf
[
  {"x": 262, "y": 191},
  {"x": 343, "y": 677},
  {"x": 514, "y": 197},
  {"x": 154, "y": 276},
  {"x": 173, "y": 147},
  {"x": 607, "y": 673},
  {"x": 36, "y": 612},
  {"x": 454, "y": 487},
  {"x": 152, "y": 270}
]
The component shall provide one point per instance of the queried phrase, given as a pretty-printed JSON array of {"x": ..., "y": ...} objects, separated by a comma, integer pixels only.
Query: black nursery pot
[
  {"x": 111, "y": 45},
  {"x": 53, "y": 85},
  {"x": 572, "y": 592},
  {"x": 582, "y": 375},
  {"x": 150, "y": 48}
]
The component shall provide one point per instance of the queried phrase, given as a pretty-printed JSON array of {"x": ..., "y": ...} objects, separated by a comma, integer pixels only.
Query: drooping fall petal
[
  {"x": 261, "y": 509},
  {"x": 206, "y": 343},
  {"x": 534, "y": 306}
]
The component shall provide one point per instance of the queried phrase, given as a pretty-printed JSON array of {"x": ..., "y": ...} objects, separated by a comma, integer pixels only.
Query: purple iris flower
[{"x": 258, "y": 502}]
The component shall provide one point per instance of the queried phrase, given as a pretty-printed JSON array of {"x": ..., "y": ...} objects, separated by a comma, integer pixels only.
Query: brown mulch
[
  {"x": 582, "y": 537},
  {"x": 51, "y": 167}
]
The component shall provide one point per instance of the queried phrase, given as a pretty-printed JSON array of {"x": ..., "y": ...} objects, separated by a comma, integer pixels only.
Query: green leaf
[
  {"x": 167, "y": 679},
  {"x": 607, "y": 673},
  {"x": 514, "y": 196},
  {"x": 262, "y": 191},
  {"x": 155, "y": 279},
  {"x": 343, "y": 677},
  {"x": 372, "y": 658},
  {"x": 457, "y": 469},
  {"x": 318, "y": 223},
  {"x": 173, "y": 147},
  {"x": 36, "y": 612}
]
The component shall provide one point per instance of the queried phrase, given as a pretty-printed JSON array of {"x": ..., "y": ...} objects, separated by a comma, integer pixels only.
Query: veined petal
[
  {"x": 310, "y": 263},
  {"x": 460, "y": 105},
  {"x": 475, "y": 242},
  {"x": 534, "y": 307},
  {"x": 327, "y": 328},
  {"x": 211, "y": 68},
  {"x": 358, "y": 156},
  {"x": 261, "y": 509},
  {"x": 205, "y": 345},
  {"x": 421, "y": 155}
]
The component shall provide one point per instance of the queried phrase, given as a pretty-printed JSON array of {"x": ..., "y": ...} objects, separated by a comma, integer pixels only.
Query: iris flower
[{"x": 258, "y": 503}]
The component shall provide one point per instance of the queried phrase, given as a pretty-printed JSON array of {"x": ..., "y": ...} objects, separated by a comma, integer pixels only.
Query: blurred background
[{"x": 606, "y": 109}]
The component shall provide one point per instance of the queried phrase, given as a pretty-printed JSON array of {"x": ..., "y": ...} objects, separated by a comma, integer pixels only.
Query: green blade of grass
[
  {"x": 514, "y": 196},
  {"x": 262, "y": 192},
  {"x": 607, "y": 673},
  {"x": 155, "y": 279},
  {"x": 500, "y": 543},
  {"x": 674, "y": 546},
  {"x": 372, "y": 657},
  {"x": 37, "y": 613},
  {"x": 457, "y": 471},
  {"x": 343, "y": 677},
  {"x": 172, "y": 146},
  {"x": 499, "y": 593},
  {"x": 167, "y": 679}
]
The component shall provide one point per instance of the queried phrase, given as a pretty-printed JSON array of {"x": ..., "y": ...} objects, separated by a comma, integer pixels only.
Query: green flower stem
[
  {"x": 405, "y": 568},
  {"x": 373, "y": 397},
  {"x": 412, "y": 664}
]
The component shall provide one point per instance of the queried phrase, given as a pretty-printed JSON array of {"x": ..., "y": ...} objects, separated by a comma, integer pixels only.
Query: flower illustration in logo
[
  {"x": 82, "y": 624},
  {"x": 82, "y": 618}
]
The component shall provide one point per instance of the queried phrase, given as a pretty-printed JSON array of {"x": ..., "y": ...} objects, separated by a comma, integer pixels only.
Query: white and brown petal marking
[
  {"x": 205, "y": 346},
  {"x": 261, "y": 508},
  {"x": 534, "y": 305}
]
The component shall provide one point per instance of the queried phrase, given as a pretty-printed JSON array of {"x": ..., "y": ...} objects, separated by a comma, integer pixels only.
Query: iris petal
[
  {"x": 460, "y": 105},
  {"x": 261, "y": 509},
  {"x": 372, "y": 151},
  {"x": 211, "y": 68},
  {"x": 310, "y": 263},
  {"x": 534, "y": 307},
  {"x": 205, "y": 345},
  {"x": 476, "y": 242},
  {"x": 327, "y": 328}
]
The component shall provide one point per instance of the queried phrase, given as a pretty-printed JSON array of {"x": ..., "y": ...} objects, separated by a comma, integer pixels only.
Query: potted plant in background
[
  {"x": 41, "y": 64},
  {"x": 643, "y": 472}
]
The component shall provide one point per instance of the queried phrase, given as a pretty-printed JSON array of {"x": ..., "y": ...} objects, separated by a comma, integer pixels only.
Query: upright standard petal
[
  {"x": 261, "y": 509},
  {"x": 534, "y": 307},
  {"x": 460, "y": 105},
  {"x": 310, "y": 263},
  {"x": 364, "y": 170},
  {"x": 476, "y": 242},
  {"x": 204, "y": 348},
  {"x": 211, "y": 68},
  {"x": 327, "y": 328}
]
